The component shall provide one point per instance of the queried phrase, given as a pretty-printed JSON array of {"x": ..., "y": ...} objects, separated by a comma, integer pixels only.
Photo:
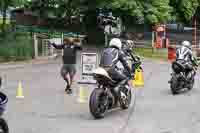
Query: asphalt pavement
[{"x": 47, "y": 109}]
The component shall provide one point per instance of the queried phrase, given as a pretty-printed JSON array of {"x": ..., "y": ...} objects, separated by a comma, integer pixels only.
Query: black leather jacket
[
  {"x": 117, "y": 55},
  {"x": 185, "y": 53}
]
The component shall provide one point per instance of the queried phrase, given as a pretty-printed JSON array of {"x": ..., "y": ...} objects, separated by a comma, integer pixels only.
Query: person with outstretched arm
[{"x": 68, "y": 69}]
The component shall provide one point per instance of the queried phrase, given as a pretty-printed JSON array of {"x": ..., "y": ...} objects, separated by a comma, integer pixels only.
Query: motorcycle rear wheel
[
  {"x": 3, "y": 126},
  {"x": 174, "y": 85},
  {"x": 191, "y": 85},
  {"x": 96, "y": 104}
]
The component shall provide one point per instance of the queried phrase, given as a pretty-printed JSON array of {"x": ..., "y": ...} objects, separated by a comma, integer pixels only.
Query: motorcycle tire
[
  {"x": 174, "y": 85},
  {"x": 3, "y": 126},
  {"x": 191, "y": 85},
  {"x": 127, "y": 102},
  {"x": 96, "y": 108}
]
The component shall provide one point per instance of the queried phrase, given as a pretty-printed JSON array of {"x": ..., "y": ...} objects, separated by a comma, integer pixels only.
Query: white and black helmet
[
  {"x": 116, "y": 42},
  {"x": 186, "y": 44}
]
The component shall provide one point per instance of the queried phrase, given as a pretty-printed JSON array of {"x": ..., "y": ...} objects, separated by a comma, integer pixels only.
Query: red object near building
[
  {"x": 171, "y": 53},
  {"x": 160, "y": 40},
  {"x": 158, "y": 43}
]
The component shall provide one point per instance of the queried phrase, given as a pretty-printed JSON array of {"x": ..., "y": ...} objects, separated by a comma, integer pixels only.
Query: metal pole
[
  {"x": 62, "y": 37},
  {"x": 62, "y": 40},
  {"x": 35, "y": 46},
  {"x": 152, "y": 41},
  {"x": 195, "y": 31},
  {"x": 106, "y": 39}
]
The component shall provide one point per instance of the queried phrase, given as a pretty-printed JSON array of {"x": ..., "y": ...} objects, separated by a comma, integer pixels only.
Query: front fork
[{"x": 123, "y": 92}]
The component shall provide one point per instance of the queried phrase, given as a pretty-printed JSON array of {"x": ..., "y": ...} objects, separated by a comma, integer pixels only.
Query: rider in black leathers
[
  {"x": 111, "y": 56},
  {"x": 185, "y": 56}
]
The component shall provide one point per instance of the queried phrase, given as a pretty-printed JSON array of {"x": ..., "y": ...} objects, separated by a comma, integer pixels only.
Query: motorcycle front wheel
[
  {"x": 125, "y": 103},
  {"x": 3, "y": 126},
  {"x": 98, "y": 103}
]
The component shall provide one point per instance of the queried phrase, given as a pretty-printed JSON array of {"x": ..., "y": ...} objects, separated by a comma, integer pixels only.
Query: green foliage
[
  {"x": 132, "y": 7},
  {"x": 157, "y": 11},
  {"x": 183, "y": 10},
  {"x": 16, "y": 47},
  {"x": 145, "y": 11},
  {"x": 129, "y": 7},
  {"x": 150, "y": 11},
  {"x": 4, "y": 5},
  {"x": 57, "y": 8}
]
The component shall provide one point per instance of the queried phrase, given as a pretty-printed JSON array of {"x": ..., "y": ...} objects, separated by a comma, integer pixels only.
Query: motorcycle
[
  {"x": 109, "y": 94},
  {"x": 3, "y": 101},
  {"x": 178, "y": 78}
]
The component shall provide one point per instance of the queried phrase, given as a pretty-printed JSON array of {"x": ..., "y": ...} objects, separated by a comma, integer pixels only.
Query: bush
[{"x": 16, "y": 46}]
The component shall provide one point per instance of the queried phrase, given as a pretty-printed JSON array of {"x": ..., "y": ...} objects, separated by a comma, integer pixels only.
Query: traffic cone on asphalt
[
  {"x": 138, "y": 80},
  {"x": 19, "y": 91},
  {"x": 82, "y": 98}
]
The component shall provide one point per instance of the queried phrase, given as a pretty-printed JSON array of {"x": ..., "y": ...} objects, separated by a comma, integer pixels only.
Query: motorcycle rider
[
  {"x": 127, "y": 42},
  {"x": 184, "y": 53},
  {"x": 128, "y": 45},
  {"x": 111, "y": 56}
]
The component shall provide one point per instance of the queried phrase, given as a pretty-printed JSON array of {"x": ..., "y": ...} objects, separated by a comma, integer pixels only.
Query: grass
[{"x": 149, "y": 53}]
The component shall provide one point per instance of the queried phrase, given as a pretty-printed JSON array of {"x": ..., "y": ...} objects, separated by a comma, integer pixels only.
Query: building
[{"x": 26, "y": 17}]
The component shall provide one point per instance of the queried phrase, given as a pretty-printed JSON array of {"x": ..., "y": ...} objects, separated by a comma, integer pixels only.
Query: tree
[
  {"x": 58, "y": 8},
  {"x": 133, "y": 8},
  {"x": 183, "y": 10},
  {"x": 145, "y": 11},
  {"x": 42, "y": 7},
  {"x": 151, "y": 11},
  {"x": 158, "y": 11},
  {"x": 4, "y": 5}
]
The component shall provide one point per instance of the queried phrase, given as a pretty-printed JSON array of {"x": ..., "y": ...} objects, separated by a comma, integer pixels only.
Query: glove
[
  {"x": 132, "y": 76},
  {"x": 128, "y": 50}
]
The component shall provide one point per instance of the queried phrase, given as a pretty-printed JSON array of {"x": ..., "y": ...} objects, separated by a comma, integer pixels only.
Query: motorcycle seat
[{"x": 178, "y": 66}]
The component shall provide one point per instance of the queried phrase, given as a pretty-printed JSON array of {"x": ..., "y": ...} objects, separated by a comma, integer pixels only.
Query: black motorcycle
[
  {"x": 109, "y": 94},
  {"x": 178, "y": 80},
  {"x": 3, "y": 101}
]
